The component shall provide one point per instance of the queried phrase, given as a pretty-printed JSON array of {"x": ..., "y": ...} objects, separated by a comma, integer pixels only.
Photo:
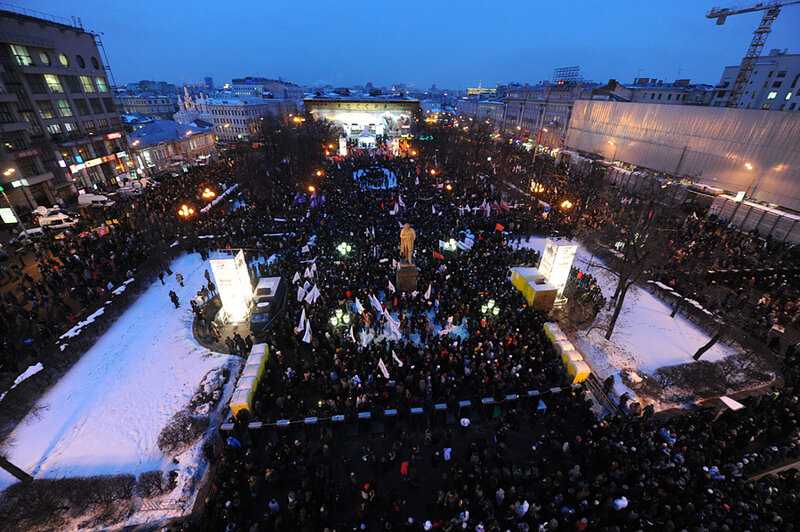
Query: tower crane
[{"x": 771, "y": 10}]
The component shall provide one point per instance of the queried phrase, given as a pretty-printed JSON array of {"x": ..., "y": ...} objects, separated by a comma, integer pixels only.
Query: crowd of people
[
  {"x": 464, "y": 334},
  {"x": 531, "y": 468}
]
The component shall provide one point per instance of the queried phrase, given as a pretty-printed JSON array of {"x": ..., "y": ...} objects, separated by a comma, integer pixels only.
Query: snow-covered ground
[
  {"x": 645, "y": 337},
  {"x": 104, "y": 416}
]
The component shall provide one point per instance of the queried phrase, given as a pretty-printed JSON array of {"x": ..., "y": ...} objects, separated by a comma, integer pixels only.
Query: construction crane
[{"x": 771, "y": 11}]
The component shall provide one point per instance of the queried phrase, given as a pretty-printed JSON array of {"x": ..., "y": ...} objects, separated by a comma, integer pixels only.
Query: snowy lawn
[
  {"x": 104, "y": 416},
  {"x": 645, "y": 337}
]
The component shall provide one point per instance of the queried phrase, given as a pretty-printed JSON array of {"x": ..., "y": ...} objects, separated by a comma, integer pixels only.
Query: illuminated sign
[
  {"x": 739, "y": 196},
  {"x": 94, "y": 162},
  {"x": 7, "y": 215},
  {"x": 557, "y": 262},
  {"x": 27, "y": 153},
  {"x": 233, "y": 281},
  {"x": 115, "y": 135}
]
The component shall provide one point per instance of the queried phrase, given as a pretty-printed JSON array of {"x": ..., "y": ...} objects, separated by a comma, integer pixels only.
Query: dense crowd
[{"x": 552, "y": 468}]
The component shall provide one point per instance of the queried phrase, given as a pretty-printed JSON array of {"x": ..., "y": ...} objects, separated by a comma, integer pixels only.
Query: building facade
[
  {"x": 235, "y": 118},
  {"x": 60, "y": 131},
  {"x": 167, "y": 145},
  {"x": 774, "y": 85},
  {"x": 161, "y": 106},
  {"x": 261, "y": 87},
  {"x": 751, "y": 151}
]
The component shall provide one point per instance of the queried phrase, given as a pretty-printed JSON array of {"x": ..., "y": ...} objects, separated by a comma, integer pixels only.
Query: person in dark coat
[{"x": 174, "y": 297}]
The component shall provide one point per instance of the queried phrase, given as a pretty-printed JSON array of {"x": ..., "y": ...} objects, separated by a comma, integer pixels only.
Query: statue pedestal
[{"x": 407, "y": 277}]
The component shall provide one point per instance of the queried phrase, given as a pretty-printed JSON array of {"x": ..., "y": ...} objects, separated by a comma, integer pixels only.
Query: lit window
[
  {"x": 63, "y": 60},
  {"x": 54, "y": 129},
  {"x": 102, "y": 86},
  {"x": 788, "y": 95},
  {"x": 21, "y": 54},
  {"x": 44, "y": 58},
  {"x": 46, "y": 110},
  {"x": 70, "y": 127},
  {"x": 772, "y": 95},
  {"x": 86, "y": 81},
  {"x": 63, "y": 108},
  {"x": 53, "y": 83}
]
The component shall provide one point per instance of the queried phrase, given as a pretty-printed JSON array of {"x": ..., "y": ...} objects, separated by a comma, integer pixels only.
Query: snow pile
[
  {"x": 105, "y": 415},
  {"x": 121, "y": 288},
  {"x": 30, "y": 372},
  {"x": 75, "y": 331},
  {"x": 219, "y": 198}
]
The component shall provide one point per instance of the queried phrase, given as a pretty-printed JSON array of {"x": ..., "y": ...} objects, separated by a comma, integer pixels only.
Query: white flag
[
  {"x": 302, "y": 320},
  {"x": 394, "y": 264},
  {"x": 310, "y": 297},
  {"x": 315, "y": 293},
  {"x": 306, "y": 286},
  {"x": 352, "y": 336},
  {"x": 296, "y": 277},
  {"x": 391, "y": 287},
  {"x": 313, "y": 266},
  {"x": 416, "y": 181},
  {"x": 306, "y": 249},
  {"x": 433, "y": 209},
  {"x": 375, "y": 303},
  {"x": 301, "y": 293},
  {"x": 396, "y": 359},
  {"x": 383, "y": 369},
  {"x": 307, "y": 336},
  {"x": 308, "y": 273},
  {"x": 358, "y": 307},
  {"x": 428, "y": 292},
  {"x": 400, "y": 201}
]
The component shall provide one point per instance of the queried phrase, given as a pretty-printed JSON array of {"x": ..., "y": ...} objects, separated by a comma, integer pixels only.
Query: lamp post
[
  {"x": 8, "y": 173},
  {"x": 538, "y": 141},
  {"x": 613, "y": 157}
]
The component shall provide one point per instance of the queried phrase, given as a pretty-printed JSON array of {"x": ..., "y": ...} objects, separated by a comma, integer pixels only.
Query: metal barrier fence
[{"x": 381, "y": 422}]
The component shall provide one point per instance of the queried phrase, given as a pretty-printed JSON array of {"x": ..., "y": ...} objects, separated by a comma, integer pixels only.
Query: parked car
[
  {"x": 94, "y": 200},
  {"x": 57, "y": 221},
  {"x": 27, "y": 239}
]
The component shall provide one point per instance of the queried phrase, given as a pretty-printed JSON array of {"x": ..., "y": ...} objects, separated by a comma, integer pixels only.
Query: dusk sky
[{"x": 451, "y": 43}]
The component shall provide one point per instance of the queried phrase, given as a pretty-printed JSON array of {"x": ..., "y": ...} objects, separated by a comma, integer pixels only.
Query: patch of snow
[
  {"x": 75, "y": 331},
  {"x": 104, "y": 416},
  {"x": 31, "y": 371}
]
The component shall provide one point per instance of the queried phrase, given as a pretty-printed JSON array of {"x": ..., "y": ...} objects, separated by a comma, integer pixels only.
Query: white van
[
  {"x": 57, "y": 221},
  {"x": 94, "y": 200}
]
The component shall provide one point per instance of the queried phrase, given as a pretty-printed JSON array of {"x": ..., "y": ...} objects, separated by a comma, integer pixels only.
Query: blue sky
[{"x": 451, "y": 43}]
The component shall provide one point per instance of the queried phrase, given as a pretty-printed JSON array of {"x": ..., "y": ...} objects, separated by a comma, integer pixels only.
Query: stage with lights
[{"x": 362, "y": 119}]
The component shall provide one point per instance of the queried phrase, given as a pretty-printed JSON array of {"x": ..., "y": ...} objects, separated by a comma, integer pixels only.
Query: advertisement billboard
[
  {"x": 557, "y": 262},
  {"x": 233, "y": 282}
]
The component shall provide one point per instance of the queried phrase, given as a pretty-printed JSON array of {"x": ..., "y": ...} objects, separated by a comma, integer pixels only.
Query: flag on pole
[
  {"x": 301, "y": 293},
  {"x": 296, "y": 277},
  {"x": 306, "y": 249},
  {"x": 438, "y": 256},
  {"x": 499, "y": 227},
  {"x": 400, "y": 201},
  {"x": 313, "y": 266},
  {"x": 358, "y": 307},
  {"x": 310, "y": 297},
  {"x": 396, "y": 359},
  {"x": 391, "y": 287},
  {"x": 395, "y": 264},
  {"x": 308, "y": 273},
  {"x": 433, "y": 209},
  {"x": 302, "y": 320},
  {"x": 352, "y": 336},
  {"x": 375, "y": 303},
  {"x": 307, "y": 336},
  {"x": 383, "y": 369},
  {"x": 428, "y": 292}
]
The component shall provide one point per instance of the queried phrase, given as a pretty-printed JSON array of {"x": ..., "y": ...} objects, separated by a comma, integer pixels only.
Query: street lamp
[{"x": 613, "y": 157}]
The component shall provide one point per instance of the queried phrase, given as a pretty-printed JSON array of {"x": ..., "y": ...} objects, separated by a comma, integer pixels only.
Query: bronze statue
[{"x": 407, "y": 237}]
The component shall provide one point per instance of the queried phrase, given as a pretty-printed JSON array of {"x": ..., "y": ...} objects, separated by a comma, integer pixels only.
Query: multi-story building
[
  {"x": 161, "y": 106},
  {"x": 165, "y": 144},
  {"x": 260, "y": 87},
  {"x": 60, "y": 131},
  {"x": 773, "y": 86},
  {"x": 543, "y": 111},
  {"x": 146, "y": 85},
  {"x": 646, "y": 90},
  {"x": 238, "y": 118}
]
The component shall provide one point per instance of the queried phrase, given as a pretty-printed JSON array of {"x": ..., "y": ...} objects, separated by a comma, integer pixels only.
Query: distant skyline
[{"x": 454, "y": 44}]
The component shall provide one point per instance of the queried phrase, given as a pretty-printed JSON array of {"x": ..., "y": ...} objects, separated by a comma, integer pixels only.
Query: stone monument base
[{"x": 407, "y": 277}]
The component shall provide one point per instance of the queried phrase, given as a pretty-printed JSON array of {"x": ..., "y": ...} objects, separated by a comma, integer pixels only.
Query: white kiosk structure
[
  {"x": 233, "y": 282},
  {"x": 556, "y": 263}
]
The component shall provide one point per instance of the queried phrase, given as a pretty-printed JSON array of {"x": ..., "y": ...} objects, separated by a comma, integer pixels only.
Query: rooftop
[
  {"x": 164, "y": 131},
  {"x": 361, "y": 96}
]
